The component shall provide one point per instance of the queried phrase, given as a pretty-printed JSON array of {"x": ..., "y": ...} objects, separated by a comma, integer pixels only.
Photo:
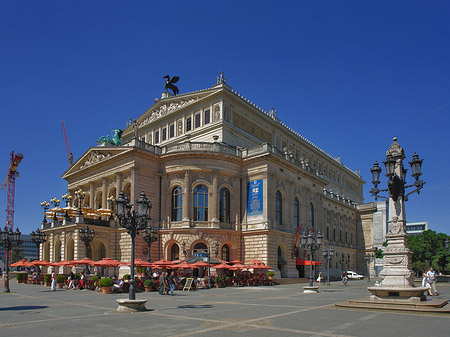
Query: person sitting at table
[{"x": 117, "y": 286}]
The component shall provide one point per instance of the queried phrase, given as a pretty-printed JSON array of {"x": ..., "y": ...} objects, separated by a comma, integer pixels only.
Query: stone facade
[{"x": 195, "y": 156}]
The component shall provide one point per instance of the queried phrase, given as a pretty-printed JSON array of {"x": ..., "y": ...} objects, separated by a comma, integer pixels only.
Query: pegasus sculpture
[
  {"x": 116, "y": 140},
  {"x": 170, "y": 82}
]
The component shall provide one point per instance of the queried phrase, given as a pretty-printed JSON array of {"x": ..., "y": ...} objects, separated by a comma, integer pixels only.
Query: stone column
[
  {"x": 104, "y": 192},
  {"x": 133, "y": 185},
  {"x": 213, "y": 205},
  {"x": 186, "y": 196},
  {"x": 118, "y": 184},
  {"x": 91, "y": 194}
]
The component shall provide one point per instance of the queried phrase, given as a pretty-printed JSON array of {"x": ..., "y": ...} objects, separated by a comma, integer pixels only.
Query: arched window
[
  {"x": 225, "y": 253},
  {"x": 177, "y": 204},
  {"x": 296, "y": 212},
  {"x": 201, "y": 203},
  {"x": 200, "y": 247},
  {"x": 174, "y": 252},
  {"x": 279, "y": 209},
  {"x": 224, "y": 205},
  {"x": 311, "y": 215}
]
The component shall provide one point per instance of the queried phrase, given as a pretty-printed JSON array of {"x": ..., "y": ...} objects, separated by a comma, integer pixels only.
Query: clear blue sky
[{"x": 348, "y": 75}]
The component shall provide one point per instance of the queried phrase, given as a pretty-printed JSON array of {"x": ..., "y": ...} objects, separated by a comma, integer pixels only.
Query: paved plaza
[{"x": 283, "y": 310}]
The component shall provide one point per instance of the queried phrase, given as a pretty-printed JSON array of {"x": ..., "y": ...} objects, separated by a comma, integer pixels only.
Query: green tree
[
  {"x": 429, "y": 251},
  {"x": 16, "y": 255}
]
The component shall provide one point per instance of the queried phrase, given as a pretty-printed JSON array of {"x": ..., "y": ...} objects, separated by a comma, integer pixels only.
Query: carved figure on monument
[
  {"x": 135, "y": 130},
  {"x": 170, "y": 82},
  {"x": 116, "y": 140},
  {"x": 221, "y": 78}
]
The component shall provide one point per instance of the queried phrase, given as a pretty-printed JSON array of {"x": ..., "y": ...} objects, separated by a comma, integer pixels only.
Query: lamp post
[
  {"x": 328, "y": 254},
  {"x": 149, "y": 235},
  {"x": 86, "y": 235},
  {"x": 396, "y": 271},
  {"x": 67, "y": 198},
  {"x": 9, "y": 240},
  {"x": 37, "y": 238},
  {"x": 111, "y": 201},
  {"x": 368, "y": 258},
  {"x": 80, "y": 195},
  {"x": 133, "y": 222},
  {"x": 45, "y": 205},
  {"x": 311, "y": 242},
  {"x": 217, "y": 248}
]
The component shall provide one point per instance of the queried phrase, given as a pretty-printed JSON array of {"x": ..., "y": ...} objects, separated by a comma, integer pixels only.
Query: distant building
[
  {"x": 415, "y": 228},
  {"x": 30, "y": 250}
]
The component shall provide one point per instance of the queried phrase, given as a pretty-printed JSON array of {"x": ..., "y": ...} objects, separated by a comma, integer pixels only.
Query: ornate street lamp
[
  {"x": 310, "y": 243},
  {"x": 67, "y": 198},
  {"x": 9, "y": 240},
  {"x": 328, "y": 254},
  {"x": 149, "y": 235},
  {"x": 111, "y": 201},
  {"x": 86, "y": 235},
  {"x": 133, "y": 222},
  {"x": 45, "y": 205},
  {"x": 368, "y": 258},
  {"x": 80, "y": 195},
  {"x": 38, "y": 237},
  {"x": 396, "y": 273}
]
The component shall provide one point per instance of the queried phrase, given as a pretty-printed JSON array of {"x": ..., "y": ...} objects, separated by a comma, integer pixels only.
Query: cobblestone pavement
[{"x": 283, "y": 310}]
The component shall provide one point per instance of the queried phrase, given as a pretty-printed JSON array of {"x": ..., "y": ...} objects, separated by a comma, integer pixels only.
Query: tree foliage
[{"x": 429, "y": 251}]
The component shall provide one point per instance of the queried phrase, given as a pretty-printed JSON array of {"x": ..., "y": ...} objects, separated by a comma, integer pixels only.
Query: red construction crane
[
  {"x": 66, "y": 140},
  {"x": 11, "y": 181}
]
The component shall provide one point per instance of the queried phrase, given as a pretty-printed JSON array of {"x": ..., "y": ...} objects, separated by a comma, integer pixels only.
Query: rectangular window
[
  {"x": 197, "y": 120},
  {"x": 157, "y": 137},
  {"x": 172, "y": 131},
  {"x": 188, "y": 124},
  {"x": 164, "y": 134},
  {"x": 207, "y": 117}
]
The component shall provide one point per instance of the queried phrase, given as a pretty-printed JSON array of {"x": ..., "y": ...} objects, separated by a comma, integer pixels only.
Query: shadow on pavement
[
  {"x": 24, "y": 307},
  {"x": 190, "y": 306}
]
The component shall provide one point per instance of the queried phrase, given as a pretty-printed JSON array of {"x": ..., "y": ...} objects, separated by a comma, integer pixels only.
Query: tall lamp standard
[
  {"x": 86, "y": 235},
  {"x": 80, "y": 195},
  {"x": 396, "y": 271},
  {"x": 368, "y": 258},
  {"x": 311, "y": 242},
  {"x": 328, "y": 254},
  {"x": 9, "y": 240},
  {"x": 149, "y": 235},
  {"x": 37, "y": 238},
  {"x": 45, "y": 205},
  {"x": 133, "y": 222}
]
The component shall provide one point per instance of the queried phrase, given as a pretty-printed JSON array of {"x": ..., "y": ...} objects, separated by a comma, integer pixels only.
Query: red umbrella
[
  {"x": 22, "y": 263},
  {"x": 222, "y": 266},
  {"x": 85, "y": 261},
  {"x": 200, "y": 264},
  {"x": 259, "y": 266},
  {"x": 236, "y": 261},
  {"x": 42, "y": 263},
  {"x": 107, "y": 262},
  {"x": 139, "y": 263},
  {"x": 256, "y": 262},
  {"x": 184, "y": 265},
  {"x": 163, "y": 262},
  {"x": 64, "y": 263},
  {"x": 240, "y": 266}
]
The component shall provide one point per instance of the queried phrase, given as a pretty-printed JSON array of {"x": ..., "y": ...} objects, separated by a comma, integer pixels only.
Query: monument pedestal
[
  {"x": 310, "y": 290},
  {"x": 131, "y": 305}
]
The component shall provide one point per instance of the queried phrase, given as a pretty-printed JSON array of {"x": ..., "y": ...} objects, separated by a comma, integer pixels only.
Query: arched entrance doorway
[
  {"x": 70, "y": 249},
  {"x": 174, "y": 252},
  {"x": 57, "y": 251},
  {"x": 281, "y": 262}
]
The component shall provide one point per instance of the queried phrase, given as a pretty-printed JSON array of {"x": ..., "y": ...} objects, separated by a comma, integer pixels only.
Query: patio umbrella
[
  {"x": 240, "y": 266},
  {"x": 56, "y": 210},
  {"x": 184, "y": 265},
  {"x": 222, "y": 266},
  {"x": 163, "y": 262},
  {"x": 139, "y": 263},
  {"x": 86, "y": 261},
  {"x": 107, "y": 262},
  {"x": 22, "y": 263},
  {"x": 255, "y": 262},
  {"x": 65, "y": 263},
  {"x": 200, "y": 264},
  {"x": 259, "y": 266},
  {"x": 236, "y": 261}
]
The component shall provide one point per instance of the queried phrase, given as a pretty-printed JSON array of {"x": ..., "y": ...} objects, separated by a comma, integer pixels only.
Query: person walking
[
  {"x": 53, "y": 281},
  {"x": 319, "y": 278},
  {"x": 344, "y": 279},
  {"x": 426, "y": 282},
  {"x": 161, "y": 283},
  {"x": 172, "y": 282},
  {"x": 431, "y": 274}
]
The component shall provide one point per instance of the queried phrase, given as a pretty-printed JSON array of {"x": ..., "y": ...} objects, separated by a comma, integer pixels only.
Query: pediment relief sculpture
[
  {"x": 95, "y": 157},
  {"x": 166, "y": 109}
]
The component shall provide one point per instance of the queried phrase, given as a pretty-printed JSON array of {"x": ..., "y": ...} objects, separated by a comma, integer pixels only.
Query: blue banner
[{"x": 255, "y": 200}]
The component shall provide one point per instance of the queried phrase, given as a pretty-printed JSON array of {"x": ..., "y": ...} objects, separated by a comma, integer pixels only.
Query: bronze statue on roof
[{"x": 170, "y": 82}]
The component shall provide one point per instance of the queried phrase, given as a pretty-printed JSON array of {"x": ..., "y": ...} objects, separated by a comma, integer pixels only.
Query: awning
[{"x": 302, "y": 262}]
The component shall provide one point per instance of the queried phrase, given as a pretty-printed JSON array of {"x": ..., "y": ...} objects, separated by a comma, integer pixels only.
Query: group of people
[
  {"x": 167, "y": 283},
  {"x": 429, "y": 281}
]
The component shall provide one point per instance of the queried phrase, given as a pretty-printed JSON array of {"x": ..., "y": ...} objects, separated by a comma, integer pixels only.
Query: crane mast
[
  {"x": 10, "y": 180},
  {"x": 66, "y": 140}
]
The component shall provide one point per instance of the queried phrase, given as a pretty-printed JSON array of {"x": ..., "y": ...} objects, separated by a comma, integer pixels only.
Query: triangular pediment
[
  {"x": 170, "y": 105},
  {"x": 94, "y": 156}
]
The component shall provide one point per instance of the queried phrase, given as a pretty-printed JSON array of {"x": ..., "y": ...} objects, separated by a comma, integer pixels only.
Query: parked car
[{"x": 354, "y": 276}]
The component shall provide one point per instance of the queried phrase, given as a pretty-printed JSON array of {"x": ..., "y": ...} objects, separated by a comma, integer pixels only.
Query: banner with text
[{"x": 255, "y": 200}]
